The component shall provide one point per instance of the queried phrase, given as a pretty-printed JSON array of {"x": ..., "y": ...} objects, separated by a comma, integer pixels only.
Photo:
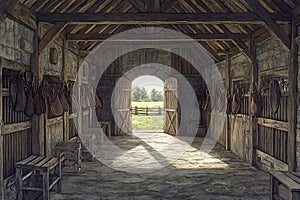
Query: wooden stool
[
  {"x": 72, "y": 147},
  {"x": 290, "y": 180},
  {"x": 31, "y": 166}
]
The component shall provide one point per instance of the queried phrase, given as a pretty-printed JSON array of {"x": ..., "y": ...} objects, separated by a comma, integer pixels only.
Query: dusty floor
[{"x": 220, "y": 176}]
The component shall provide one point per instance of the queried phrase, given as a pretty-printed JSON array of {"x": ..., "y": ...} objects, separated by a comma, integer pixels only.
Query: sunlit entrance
[{"x": 147, "y": 106}]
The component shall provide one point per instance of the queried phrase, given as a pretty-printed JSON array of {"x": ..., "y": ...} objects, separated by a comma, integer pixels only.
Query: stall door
[
  {"x": 171, "y": 105},
  {"x": 122, "y": 98}
]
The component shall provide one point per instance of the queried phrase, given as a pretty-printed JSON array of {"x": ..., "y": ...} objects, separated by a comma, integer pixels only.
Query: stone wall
[{"x": 16, "y": 42}]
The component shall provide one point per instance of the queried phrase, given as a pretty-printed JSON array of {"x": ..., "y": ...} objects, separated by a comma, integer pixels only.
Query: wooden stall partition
[
  {"x": 1, "y": 141},
  {"x": 54, "y": 134},
  {"x": 292, "y": 115},
  {"x": 65, "y": 79},
  {"x": 70, "y": 68},
  {"x": 273, "y": 128},
  {"x": 53, "y": 75},
  {"x": 38, "y": 122},
  {"x": 253, "y": 119},
  {"x": 228, "y": 89},
  {"x": 239, "y": 123},
  {"x": 16, "y": 132}
]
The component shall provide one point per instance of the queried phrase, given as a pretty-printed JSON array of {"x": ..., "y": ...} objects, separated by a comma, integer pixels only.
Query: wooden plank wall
[{"x": 16, "y": 130}]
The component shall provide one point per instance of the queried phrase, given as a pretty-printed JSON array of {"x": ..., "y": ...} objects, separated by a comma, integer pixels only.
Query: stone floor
[{"x": 221, "y": 175}]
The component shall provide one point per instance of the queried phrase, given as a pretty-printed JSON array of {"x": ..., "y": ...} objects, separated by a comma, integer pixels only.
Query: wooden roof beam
[
  {"x": 211, "y": 52},
  {"x": 167, "y": 5},
  {"x": 240, "y": 45},
  {"x": 270, "y": 23},
  {"x": 197, "y": 37},
  {"x": 139, "y": 5},
  {"x": 5, "y": 7},
  {"x": 51, "y": 35},
  {"x": 159, "y": 18}
]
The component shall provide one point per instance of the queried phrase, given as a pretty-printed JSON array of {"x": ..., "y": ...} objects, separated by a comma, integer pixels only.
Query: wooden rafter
[
  {"x": 95, "y": 6},
  {"x": 212, "y": 52},
  {"x": 138, "y": 5},
  {"x": 158, "y": 18},
  {"x": 167, "y": 5},
  {"x": 51, "y": 35},
  {"x": 6, "y": 6},
  {"x": 197, "y": 37},
  {"x": 241, "y": 46},
  {"x": 271, "y": 24}
]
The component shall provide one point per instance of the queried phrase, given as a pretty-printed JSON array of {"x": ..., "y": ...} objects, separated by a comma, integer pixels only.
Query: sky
[{"x": 149, "y": 82}]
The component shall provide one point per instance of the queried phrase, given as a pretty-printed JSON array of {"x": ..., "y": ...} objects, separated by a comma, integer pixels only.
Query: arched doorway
[{"x": 147, "y": 104}]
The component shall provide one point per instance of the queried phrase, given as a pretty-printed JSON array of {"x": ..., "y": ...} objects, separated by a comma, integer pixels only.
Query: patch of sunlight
[
  {"x": 199, "y": 160},
  {"x": 180, "y": 153},
  {"x": 137, "y": 158}
]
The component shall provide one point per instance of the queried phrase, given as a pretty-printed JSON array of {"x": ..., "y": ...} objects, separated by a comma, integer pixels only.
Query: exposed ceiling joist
[
  {"x": 197, "y": 37},
  {"x": 296, "y": 15},
  {"x": 240, "y": 45},
  {"x": 138, "y": 5},
  {"x": 6, "y": 6},
  {"x": 51, "y": 35},
  {"x": 212, "y": 52},
  {"x": 159, "y": 18},
  {"x": 271, "y": 24},
  {"x": 167, "y": 5}
]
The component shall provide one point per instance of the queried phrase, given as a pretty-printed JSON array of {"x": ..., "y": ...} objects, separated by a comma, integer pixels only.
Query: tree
[
  {"x": 140, "y": 94},
  {"x": 144, "y": 95},
  {"x": 136, "y": 94},
  {"x": 156, "y": 95}
]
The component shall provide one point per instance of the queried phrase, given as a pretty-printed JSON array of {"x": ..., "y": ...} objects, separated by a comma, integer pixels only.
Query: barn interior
[{"x": 66, "y": 69}]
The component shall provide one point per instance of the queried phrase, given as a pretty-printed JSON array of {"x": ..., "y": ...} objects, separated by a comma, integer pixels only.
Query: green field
[
  {"x": 148, "y": 104},
  {"x": 150, "y": 122}
]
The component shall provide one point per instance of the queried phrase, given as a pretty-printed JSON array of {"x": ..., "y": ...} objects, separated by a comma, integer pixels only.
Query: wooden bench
[
  {"x": 47, "y": 167},
  {"x": 290, "y": 180},
  {"x": 62, "y": 148}
]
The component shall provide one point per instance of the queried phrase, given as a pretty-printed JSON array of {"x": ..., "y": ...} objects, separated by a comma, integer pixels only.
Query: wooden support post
[
  {"x": 65, "y": 78},
  {"x": 292, "y": 105},
  {"x": 253, "y": 120},
  {"x": 79, "y": 112},
  {"x": 38, "y": 126},
  {"x": 1, "y": 142},
  {"x": 228, "y": 89}
]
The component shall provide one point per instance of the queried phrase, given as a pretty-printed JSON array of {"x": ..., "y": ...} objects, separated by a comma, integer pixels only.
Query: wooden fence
[{"x": 146, "y": 111}]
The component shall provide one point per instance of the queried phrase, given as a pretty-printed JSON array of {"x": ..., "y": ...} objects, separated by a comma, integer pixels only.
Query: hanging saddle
[
  {"x": 274, "y": 95},
  {"x": 13, "y": 90},
  {"x": 229, "y": 104},
  {"x": 63, "y": 99},
  {"x": 39, "y": 100},
  {"x": 55, "y": 104},
  {"x": 29, "y": 106},
  {"x": 221, "y": 101},
  {"x": 236, "y": 102},
  {"x": 17, "y": 92},
  {"x": 256, "y": 105},
  {"x": 72, "y": 101}
]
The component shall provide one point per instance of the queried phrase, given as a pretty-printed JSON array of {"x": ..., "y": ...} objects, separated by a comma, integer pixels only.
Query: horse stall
[{"x": 57, "y": 87}]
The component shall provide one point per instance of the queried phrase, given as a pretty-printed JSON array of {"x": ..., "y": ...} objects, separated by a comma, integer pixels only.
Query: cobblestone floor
[{"x": 221, "y": 175}]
